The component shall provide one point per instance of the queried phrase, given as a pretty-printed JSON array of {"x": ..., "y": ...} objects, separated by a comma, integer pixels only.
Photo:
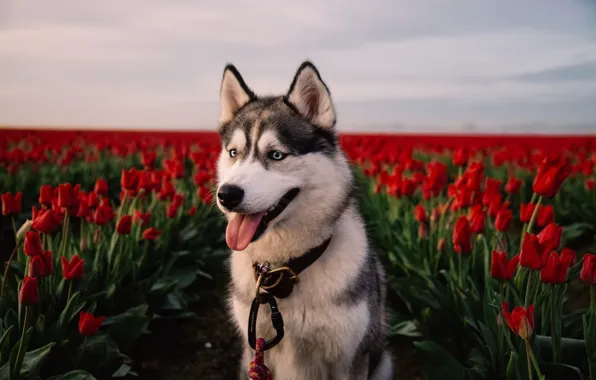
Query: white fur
[{"x": 309, "y": 314}]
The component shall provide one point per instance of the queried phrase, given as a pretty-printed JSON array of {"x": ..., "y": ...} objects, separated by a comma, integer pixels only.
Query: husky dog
[{"x": 286, "y": 189}]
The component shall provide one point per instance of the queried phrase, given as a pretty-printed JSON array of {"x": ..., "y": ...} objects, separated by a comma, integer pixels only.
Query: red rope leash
[{"x": 257, "y": 369}]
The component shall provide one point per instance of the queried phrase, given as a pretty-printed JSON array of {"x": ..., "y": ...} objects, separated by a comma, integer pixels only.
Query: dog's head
[{"x": 281, "y": 173}]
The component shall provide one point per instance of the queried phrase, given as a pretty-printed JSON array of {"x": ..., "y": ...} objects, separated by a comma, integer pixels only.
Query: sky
[{"x": 391, "y": 65}]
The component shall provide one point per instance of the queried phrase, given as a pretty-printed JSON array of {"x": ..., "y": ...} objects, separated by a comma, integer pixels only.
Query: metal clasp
[{"x": 276, "y": 320}]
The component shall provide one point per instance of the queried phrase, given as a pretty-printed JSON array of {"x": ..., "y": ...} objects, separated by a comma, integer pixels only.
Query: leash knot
[{"x": 257, "y": 368}]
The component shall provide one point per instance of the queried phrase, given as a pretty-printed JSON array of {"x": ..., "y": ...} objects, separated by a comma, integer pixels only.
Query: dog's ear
[
  {"x": 311, "y": 97},
  {"x": 234, "y": 93}
]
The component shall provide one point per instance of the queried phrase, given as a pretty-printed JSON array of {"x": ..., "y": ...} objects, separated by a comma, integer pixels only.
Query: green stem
[
  {"x": 460, "y": 276},
  {"x": 554, "y": 335},
  {"x": 14, "y": 228},
  {"x": 534, "y": 361},
  {"x": 69, "y": 291},
  {"x": 528, "y": 288},
  {"x": 64, "y": 231},
  {"x": 17, "y": 369},
  {"x": 592, "y": 298},
  {"x": 524, "y": 227},
  {"x": 530, "y": 372},
  {"x": 499, "y": 242},
  {"x": 534, "y": 215},
  {"x": 487, "y": 258},
  {"x": 10, "y": 259}
]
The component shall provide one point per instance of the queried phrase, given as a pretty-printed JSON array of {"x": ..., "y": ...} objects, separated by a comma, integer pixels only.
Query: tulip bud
[{"x": 26, "y": 227}]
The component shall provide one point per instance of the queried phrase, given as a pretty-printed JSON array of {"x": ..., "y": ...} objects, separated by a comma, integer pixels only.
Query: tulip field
[{"x": 108, "y": 238}]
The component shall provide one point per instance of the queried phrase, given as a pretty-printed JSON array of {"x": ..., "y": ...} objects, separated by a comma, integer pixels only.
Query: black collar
[{"x": 281, "y": 284}]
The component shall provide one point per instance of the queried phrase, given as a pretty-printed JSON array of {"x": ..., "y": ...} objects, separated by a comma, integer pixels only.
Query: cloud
[{"x": 157, "y": 63}]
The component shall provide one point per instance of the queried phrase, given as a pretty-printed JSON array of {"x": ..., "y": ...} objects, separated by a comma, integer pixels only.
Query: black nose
[{"x": 230, "y": 196}]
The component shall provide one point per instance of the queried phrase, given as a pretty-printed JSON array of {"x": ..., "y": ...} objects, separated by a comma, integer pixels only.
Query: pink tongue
[{"x": 241, "y": 230}]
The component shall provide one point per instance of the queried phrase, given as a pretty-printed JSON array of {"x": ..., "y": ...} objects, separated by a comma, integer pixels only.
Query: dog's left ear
[
  {"x": 311, "y": 97},
  {"x": 234, "y": 93}
]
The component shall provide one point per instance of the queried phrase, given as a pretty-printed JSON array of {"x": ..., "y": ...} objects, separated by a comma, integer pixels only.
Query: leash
[{"x": 277, "y": 283}]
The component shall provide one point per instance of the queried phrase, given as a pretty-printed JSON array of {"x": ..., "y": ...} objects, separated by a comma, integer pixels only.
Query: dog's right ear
[{"x": 234, "y": 93}]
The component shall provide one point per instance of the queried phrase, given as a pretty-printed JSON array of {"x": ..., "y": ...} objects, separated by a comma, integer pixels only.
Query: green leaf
[
  {"x": 73, "y": 307},
  {"x": 512, "y": 372},
  {"x": 4, "y": 341},
  {"x": 561, "y": 371},
  {"x": 406, "y": 328},
  {"x": 184, "y": 275},
  {"x": 34, "y": 360},
  {"x": 164, "y": 286},
  {"x": 16, "y": 357},
  {"x": 74, "y": 375},
  {"x": 123, "y": 371},
  {"x": 437, "y": 362},
  {"x": 490, "y": 341},
  {"x": 125, "y": 329}
]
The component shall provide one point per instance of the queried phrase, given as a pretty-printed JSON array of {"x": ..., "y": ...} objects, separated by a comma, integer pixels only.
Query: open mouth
[{"x": 244, "y": 229}]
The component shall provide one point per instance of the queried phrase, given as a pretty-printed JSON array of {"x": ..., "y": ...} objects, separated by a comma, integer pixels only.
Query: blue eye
[
  {"x": 276, "y": 155},
  {"x": 232, "y": 152}
]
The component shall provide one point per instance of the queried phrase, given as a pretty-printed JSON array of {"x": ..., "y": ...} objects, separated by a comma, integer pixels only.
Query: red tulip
[
  {"x": 475, "y": 174},
  {"x": 11, "y": 204},
  {"x": 534, "y": 253},
  {"x": 129, "y": 179},
  {"x": 65, "y": 195},
  {"x": 46, "y": 194},
  {"x": 477, "y": 218},
  {"x": 101, "y": 187},
  {"x": 460, "y": 157},
  {"x": 167, "y": 190},
  {"x": 462, "y": 235},
  {"x": 124, "y": 225},
  {"x": 503, "y": 220},
  {"x": 151, "y": 233},
  {"x": 420, "y": 214},
  {"x": 145, "y": 181},
  {"x": 46, "y": 221},
  {"x": 436, "y": 178},
  {"x": 88, "y": 324},
  {"x": 553, "y": 233},
  {"x": 103, "y": 215},
  {"x": 588, "y": 272},
  {"x": 174, "y": 167},
  {"x": 192, "y": 211},
  {"x": 205, "y": 195},
  {"x": 29, "y": 292},
  {"x": 513, "y": 185},
  {"x": 93, "y": 199},
  {"x": 73, "y": 269},
  {"x": 32, "y": 246},
  {"x": 555, "y": 270},
  {"x": 520, "y": 321},
  {"x": 502, "y": 268},
  {"x": 201, "y": 178},
  {"x": 545, "y": 215},
  {"x": 148, "y": 159},
  {"x": 526, "y": 212},
  {"x": 144, "y": 218},
  {"x": 590, "y": 184},
  {"x": 42, "y": 265},
  {"x": 550, "y": 176}
]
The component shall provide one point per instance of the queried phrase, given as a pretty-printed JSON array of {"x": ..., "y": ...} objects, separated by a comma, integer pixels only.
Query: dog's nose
[{"x": 230, "y": 196}]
